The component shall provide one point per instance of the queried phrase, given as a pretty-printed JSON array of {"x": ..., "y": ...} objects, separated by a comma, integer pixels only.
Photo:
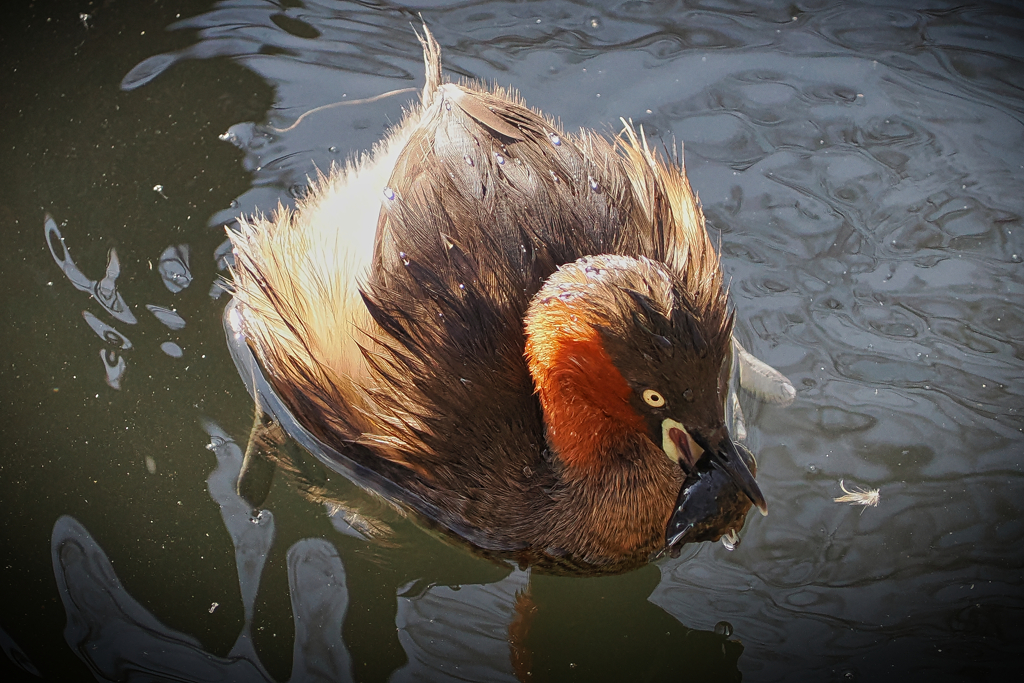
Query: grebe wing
[
  {"x": 486, "y": 200},
  {"x": 509, "y": 183}
]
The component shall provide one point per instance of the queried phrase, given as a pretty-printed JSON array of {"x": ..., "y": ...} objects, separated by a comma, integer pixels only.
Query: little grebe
[{"x": 524, "y": 331}]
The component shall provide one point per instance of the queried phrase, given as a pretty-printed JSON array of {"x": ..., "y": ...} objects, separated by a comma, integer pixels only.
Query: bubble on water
[
  {"x": 105, "y": 332},
  {"x": 114, "y": 364},
  {"x": 723, "y": 628},
  {"x": 174, "y": 268},
  {"x": 258, "y": 517},
  {"x": 171, "y": 318},
  {"x": 172, "y": 349}
]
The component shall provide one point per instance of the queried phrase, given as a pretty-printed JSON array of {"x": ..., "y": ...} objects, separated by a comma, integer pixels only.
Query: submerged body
[{"x": 526, "y": 331}]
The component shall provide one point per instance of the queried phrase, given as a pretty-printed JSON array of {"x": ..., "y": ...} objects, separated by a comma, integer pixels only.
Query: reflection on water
[
  {"x": 863, "y": 167},
  {"x": 103, "y": 291},
  {"x": 461, "y": 632},
  {"x": 16, "y": 655},
  {"x": 449, "y": 633},
  {"x": 174, "y": 271},
  {"x": 173, "y": 268}
]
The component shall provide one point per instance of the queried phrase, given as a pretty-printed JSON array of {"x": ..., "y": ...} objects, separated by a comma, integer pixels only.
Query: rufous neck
[{"x": 584, "y": 397}]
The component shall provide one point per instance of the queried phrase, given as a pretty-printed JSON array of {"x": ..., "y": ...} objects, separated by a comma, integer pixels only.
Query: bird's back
[{"x": 487, "y": 198}]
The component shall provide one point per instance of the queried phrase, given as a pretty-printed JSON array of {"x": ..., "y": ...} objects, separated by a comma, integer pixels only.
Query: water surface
[{"x": 859, "y": 163}]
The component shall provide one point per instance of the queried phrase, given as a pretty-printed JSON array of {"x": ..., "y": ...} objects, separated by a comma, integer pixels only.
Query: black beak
[
  {"x": 696, "y": 514},
  {"x": 727, "y": 458},
  {"x": 714, "y": 500}
]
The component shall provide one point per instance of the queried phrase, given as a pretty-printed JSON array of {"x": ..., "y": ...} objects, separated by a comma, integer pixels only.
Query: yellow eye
[{"x": 653, "y": 398}]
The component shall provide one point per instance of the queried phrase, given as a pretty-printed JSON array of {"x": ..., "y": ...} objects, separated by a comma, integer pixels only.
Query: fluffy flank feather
[{"x": 297, "y": 275}]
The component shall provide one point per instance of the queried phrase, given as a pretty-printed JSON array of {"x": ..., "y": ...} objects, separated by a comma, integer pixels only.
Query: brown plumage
[{"x": 537, "y": 346}]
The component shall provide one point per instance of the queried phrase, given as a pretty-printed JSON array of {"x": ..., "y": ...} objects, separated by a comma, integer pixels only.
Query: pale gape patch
[{"x": 677, "y": 443}]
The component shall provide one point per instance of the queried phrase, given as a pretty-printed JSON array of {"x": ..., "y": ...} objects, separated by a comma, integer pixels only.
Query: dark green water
[{"x": 862, "y": 165}]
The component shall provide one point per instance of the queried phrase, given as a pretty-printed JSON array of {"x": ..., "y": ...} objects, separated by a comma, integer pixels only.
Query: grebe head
[{"x": 649, "y": 350}]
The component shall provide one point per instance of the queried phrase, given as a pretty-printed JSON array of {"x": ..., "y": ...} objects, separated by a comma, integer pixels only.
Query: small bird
[{"x": 523, "y": 334}]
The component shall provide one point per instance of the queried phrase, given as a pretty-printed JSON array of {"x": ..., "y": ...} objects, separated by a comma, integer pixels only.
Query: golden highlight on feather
[
  {"x": 673, "y": 212},
  {"x": 654, "y": 182},
  {"x": 297, "y": 275},
  {"x": 431, "y": 65}
]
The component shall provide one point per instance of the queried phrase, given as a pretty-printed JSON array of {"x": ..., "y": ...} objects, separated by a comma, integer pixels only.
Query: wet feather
[{"x": 858, "y": 496}]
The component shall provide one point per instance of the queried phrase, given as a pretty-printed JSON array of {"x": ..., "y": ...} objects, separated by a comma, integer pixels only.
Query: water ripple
[{"x": 862, "y": 165}]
